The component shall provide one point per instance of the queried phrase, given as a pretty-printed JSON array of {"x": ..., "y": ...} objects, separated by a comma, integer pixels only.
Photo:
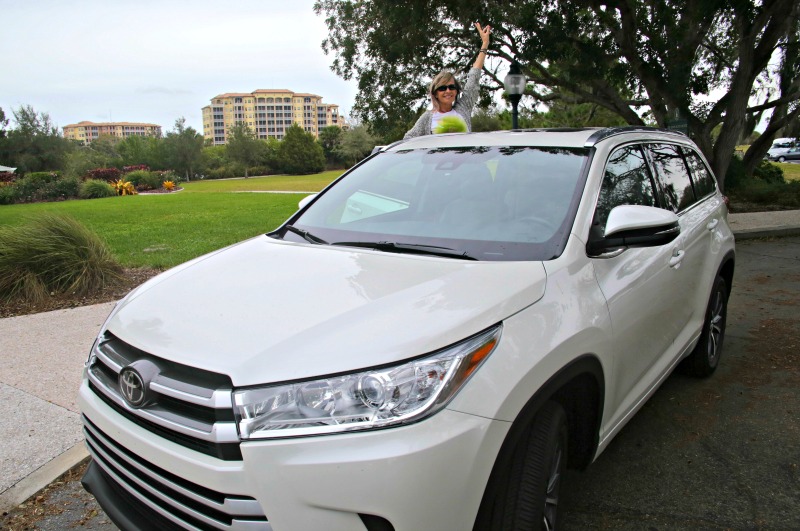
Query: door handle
[
  {"x": 712, "y": 224},
  {"x": 677, "y": 258}
]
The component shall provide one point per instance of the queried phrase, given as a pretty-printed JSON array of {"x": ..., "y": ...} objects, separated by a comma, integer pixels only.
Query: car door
[
  {"x": 641, "y": 286},
  {"x": 698, "y": 221}
]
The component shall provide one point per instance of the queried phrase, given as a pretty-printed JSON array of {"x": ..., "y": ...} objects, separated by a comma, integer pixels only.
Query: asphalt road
[{"x": 717, "y": 453}]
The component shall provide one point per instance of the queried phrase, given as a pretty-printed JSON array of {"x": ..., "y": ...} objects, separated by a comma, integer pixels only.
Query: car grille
[
  {"x": 182, "y": 503},
  {"x": 185, "y": 405}
]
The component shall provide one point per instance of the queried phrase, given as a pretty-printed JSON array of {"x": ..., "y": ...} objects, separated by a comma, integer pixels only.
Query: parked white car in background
[{"x": 426, "y": 344}]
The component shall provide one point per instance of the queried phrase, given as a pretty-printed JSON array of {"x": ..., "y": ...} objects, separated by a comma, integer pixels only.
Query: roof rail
[{"x": 607, "y": 132}]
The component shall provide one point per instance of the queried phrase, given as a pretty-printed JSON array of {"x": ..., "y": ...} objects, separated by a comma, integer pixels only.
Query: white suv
[{"x": 426, "y": 344}]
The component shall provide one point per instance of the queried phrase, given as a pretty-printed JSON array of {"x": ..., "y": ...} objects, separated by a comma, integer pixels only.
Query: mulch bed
[{"x": 132, "y": 278}]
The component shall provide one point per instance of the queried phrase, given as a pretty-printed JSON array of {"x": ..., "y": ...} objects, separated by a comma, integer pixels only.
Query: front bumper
[{"x": 428, "y": 475}]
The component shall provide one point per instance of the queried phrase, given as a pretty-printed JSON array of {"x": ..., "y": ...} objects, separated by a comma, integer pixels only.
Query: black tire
[
  {"x": 704, "y": 359},
  {"x": 781, "y": 159},
  {"x": 527, "y": 497}
]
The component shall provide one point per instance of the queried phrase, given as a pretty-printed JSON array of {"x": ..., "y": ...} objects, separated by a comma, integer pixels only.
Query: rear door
[{"x": 690, "y": 192}]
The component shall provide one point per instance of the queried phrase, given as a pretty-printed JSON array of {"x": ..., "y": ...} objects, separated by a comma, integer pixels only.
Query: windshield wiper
[
  {"x": 306, "y": 235},
  {"x": 411, "y": 248}
]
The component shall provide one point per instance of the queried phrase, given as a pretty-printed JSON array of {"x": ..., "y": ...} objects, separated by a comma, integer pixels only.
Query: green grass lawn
[
  {"x": 163, "y": 230},
  {"x": 791, "y": 171},
  {"x": 295, "y": 183}
]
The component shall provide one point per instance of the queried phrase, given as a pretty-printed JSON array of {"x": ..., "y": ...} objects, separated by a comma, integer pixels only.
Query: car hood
[{"x": 267, "y": 310}]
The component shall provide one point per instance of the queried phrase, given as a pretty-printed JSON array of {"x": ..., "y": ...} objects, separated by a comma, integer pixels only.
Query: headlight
[{"x": 370, "y": 399}]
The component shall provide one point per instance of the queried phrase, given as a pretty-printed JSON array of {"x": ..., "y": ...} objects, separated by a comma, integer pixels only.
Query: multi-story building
[
  {"x": 87, "y": 131},
  {"x": 268, "y": 113}
]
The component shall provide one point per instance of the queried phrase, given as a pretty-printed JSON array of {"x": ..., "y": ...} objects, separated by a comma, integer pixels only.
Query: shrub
[
  {"x": 769, "y": 173},
  {"x": 41, "y": 186},
  {"x": 151, "y": 181},
  {"x": 777, "y": 195},
  {"x": 105, "y": 174},
  {"x": 168, "y": 175},
  {"x": 223, "y": 172},
  {"x": 95, "y": 189},
  {"x": 256, "y": 171},
  {"x": 136, "y": 177},
  {"x": 735, "y": 176},
  {"x": 53, "y": 254},
  {"x": 7, "y": 194},
  {"x": 8, "y": 176},
  {"x": 122, "y": 187},
  {"x": 135, "y": 167},
  {"x": 169, "y": 185}
]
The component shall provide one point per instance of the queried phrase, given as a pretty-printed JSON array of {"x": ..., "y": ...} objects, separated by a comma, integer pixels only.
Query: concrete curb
[
  {"x": 42, "y": 477},
  {"x": 750, "y": 234}
]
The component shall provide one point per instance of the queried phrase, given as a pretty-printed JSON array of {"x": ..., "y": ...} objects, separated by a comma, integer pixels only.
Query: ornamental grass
[{"x": 51, "y": 255}]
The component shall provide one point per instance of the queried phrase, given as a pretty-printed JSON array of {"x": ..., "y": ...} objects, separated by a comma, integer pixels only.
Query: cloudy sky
[{"x": 157, "y": 60}]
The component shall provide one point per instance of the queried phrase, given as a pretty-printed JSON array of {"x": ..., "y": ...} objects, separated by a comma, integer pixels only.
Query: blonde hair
[{"x": 442, "y": 78}]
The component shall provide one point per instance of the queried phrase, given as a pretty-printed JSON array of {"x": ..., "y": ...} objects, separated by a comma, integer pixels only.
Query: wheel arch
[
  {"x": 579, "y": 388},
  {"x": 726, "y": 269}
]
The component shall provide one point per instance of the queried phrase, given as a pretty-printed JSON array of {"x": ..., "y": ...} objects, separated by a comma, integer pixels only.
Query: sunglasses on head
[{"x": 447, "y": 87}]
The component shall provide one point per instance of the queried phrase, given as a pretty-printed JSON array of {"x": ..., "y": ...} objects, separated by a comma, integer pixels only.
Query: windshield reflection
[{"x": 490, "y": 203}]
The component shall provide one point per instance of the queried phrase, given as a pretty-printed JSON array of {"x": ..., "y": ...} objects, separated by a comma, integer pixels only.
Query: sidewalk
[{"x": 41, "y": 361}]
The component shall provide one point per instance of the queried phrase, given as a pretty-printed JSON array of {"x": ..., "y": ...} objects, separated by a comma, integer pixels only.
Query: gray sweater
[{"x": 467, "y": 99}]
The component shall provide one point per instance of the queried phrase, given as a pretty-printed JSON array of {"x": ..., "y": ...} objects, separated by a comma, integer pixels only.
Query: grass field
[
  {"x": 295, "y": 183},
  {"x": 791, "y": 171},
  {"x": 163, "y": 230}
]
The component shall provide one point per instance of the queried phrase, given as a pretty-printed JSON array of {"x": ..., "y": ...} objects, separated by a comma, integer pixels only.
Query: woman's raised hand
[{"x": 484, "y": 33}]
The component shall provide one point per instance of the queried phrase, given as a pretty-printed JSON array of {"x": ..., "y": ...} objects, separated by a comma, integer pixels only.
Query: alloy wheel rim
[
  {"x": 551, "y": 495},
  {"x": 715, "y": 325}
]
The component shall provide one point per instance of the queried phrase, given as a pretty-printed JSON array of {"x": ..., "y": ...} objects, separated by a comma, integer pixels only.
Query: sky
[{"x": 155, "y": 61}]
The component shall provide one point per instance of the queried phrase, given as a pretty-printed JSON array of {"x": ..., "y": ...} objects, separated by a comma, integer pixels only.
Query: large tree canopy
[{"x": 704, "y": 63}]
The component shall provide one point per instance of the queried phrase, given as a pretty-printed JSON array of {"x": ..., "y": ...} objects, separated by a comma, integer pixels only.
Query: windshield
[{"x": 487, "y": 203}]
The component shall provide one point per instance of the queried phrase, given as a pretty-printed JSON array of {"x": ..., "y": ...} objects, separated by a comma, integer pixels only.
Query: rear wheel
[
  {"x": 704, "y": 358},
  {"x": 528, "y": 493}
]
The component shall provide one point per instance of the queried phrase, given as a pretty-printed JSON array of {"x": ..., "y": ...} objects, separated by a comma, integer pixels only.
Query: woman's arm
[{"x": 484, "y": 33}]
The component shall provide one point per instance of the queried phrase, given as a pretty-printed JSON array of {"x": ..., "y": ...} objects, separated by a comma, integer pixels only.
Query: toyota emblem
[
  {"x": 132, "y": 387},
  {"x": 134, "y": 383}
]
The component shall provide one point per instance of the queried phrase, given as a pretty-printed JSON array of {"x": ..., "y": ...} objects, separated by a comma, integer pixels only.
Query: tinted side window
[
  {"x": 670, "y": 168},
  {"x": 701, "y": 178},
  {"x": 626, "y": 181}
]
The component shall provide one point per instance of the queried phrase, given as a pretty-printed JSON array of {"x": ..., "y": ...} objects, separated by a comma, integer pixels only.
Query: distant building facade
[
  {"x": 86, "y": 132},
  {"x": 268, "y": 113}
]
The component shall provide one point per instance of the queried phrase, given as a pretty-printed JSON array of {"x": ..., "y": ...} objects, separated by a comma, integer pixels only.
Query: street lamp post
[{"x": 515, "y": 86}]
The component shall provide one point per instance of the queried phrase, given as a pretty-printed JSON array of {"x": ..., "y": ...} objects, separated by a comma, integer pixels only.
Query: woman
[{"x": 452, "y": 108}]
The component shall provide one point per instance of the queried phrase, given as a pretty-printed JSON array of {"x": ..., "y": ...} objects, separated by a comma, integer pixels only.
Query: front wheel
[
  {"x": 528, "y": 493},
  {"x": 704, "y": 358},
  {"x": 781, "y": 159}
]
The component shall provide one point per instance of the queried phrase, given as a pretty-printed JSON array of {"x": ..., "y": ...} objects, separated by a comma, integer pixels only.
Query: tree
[
  {"x": 299, "y": 153},
  {"x": 148, "y": 150},
  {"x": 35, "y": 143},
  {"x": 243, "y": 147},
  {"x": 184, "y": 148},
  {"x": 356, "y": 144},
  {"x": 643, "y": 61},
  {"x": 3, "y": 123},
  {"x": 785, "y": 114},
  {"x": 330, "y": 138}
]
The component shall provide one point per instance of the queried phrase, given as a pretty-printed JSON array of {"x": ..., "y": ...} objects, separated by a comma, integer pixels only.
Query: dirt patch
[
  {"x": 132, "y": 278},
  {"x": 49, "y": 505}
]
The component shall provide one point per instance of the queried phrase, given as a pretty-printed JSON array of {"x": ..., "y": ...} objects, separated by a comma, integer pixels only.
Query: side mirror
[
  {"x": 635, "y": 226},
  {"x": 306, "y": 200}
]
